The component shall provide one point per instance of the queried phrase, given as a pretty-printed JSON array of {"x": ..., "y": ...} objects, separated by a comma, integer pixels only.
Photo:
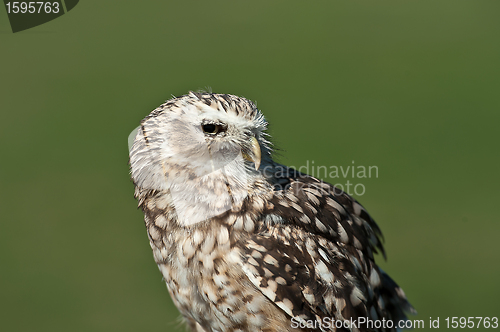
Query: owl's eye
[
  {"x": 213, "y": 128},
  {"x": 210, "y": 128}
]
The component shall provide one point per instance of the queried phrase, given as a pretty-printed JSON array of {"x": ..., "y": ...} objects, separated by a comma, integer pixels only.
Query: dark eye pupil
[{"x": 210, "y": 128}]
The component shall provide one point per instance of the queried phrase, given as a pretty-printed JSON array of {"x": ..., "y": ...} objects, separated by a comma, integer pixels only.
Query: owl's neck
[{"x": 191, "y": 200}]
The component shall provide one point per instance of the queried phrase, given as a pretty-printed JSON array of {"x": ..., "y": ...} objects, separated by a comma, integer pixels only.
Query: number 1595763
[{"x": 32, "y": 7}]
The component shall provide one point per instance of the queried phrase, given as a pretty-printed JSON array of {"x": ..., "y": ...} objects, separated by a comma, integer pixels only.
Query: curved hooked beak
[{"x": 254, "y": 154}]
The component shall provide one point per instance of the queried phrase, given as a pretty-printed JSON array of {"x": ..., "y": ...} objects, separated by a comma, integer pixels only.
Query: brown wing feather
[{"x": 313, "y": 255}]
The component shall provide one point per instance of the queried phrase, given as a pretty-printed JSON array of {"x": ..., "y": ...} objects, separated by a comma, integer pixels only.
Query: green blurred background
[{"x": 412, "y": 87}]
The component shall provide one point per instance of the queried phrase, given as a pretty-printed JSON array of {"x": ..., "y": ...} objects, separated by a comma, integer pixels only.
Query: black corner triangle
[{"x": 70, "y": 4}]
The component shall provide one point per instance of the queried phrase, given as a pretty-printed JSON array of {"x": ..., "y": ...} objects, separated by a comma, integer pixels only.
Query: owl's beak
[{"x": 254, "y": 155}]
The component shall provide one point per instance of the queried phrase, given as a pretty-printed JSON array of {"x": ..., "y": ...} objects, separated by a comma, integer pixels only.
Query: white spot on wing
[{"x": 323, "y": 271}]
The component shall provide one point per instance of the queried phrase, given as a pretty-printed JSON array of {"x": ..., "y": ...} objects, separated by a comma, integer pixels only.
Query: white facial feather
[{"x": 205, "y": 175}]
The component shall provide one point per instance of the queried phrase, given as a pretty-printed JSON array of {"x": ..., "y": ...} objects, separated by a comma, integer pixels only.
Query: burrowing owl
[{"x": 247, "y": 244}]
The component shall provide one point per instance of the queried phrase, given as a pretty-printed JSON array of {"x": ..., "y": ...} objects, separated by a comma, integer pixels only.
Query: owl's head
[{"x": 204, "y": 149}]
